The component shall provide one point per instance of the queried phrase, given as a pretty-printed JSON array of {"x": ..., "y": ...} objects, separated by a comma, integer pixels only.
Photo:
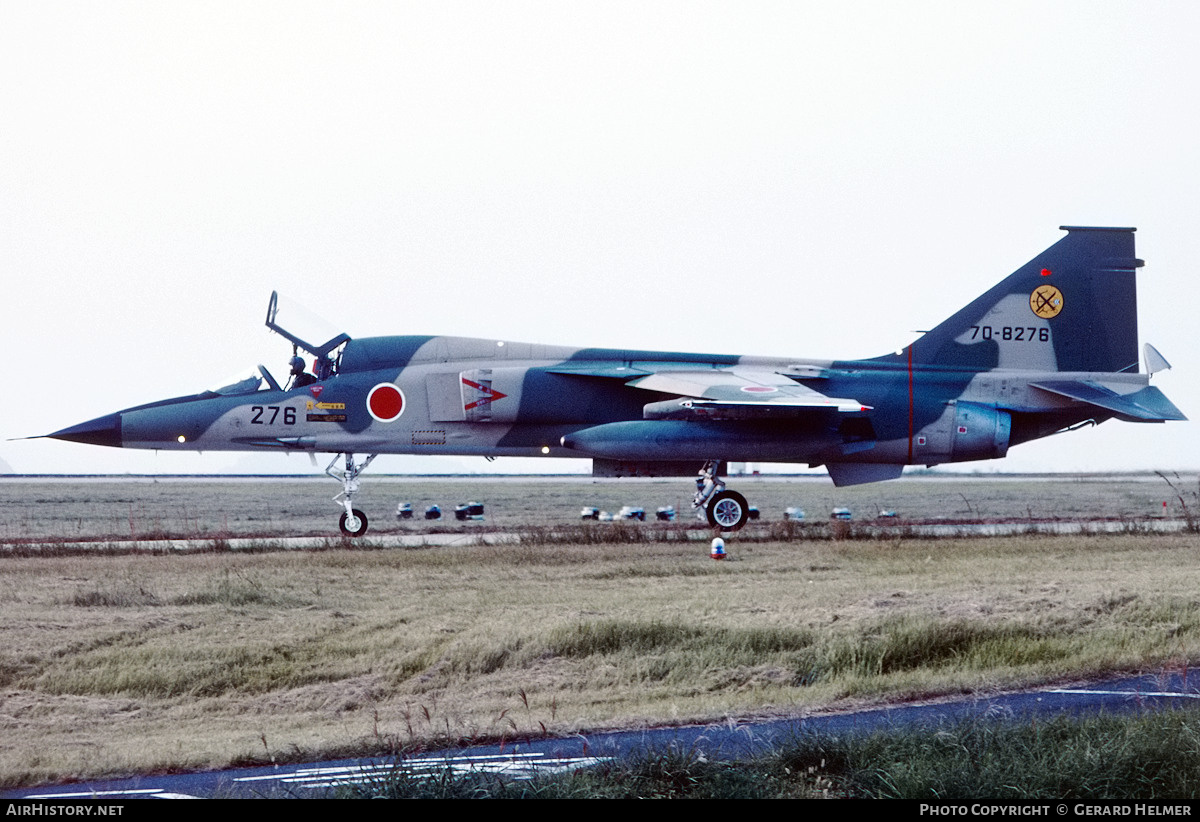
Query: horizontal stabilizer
[{"x": 1146, "y": 405}]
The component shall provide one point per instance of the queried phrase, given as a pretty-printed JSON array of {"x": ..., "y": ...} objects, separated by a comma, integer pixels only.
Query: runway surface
[{"x": 482, "y": 537}]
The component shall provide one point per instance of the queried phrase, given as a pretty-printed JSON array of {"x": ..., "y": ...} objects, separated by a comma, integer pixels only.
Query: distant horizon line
[{"x": 916, "y": 473}]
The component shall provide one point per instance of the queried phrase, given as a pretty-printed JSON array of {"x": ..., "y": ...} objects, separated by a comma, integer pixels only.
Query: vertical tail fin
[{"x": 1071, "y": 308}]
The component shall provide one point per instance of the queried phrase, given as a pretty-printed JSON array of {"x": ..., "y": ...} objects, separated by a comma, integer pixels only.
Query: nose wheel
[{"x": 353, "y": 522}]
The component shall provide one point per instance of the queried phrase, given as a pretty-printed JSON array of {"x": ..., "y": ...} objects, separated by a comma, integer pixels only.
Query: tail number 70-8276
[{"x": 1009, "y": 332}]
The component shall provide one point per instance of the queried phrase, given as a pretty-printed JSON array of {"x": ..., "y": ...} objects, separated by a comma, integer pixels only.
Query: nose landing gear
[{"x": 353, "y": 522}]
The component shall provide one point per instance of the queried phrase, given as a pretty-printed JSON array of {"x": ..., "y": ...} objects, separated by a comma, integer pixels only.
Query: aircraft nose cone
[{"x": 100, "y": 431}]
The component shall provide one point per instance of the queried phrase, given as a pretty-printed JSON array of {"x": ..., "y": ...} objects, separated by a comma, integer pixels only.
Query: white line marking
[
  {"x": 517, "y": 764},
  {"x": 1122, "y": 693},
  {"x": 147, "y": 791}
]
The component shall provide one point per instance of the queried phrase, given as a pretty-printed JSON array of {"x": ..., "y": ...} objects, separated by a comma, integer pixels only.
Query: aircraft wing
[
  {"x": 609, "y": 371},
  {"x": 736, "y": 392}
]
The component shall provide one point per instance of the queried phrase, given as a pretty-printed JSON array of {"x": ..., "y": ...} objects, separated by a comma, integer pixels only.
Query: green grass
[{"x": 1100, "y": 758}]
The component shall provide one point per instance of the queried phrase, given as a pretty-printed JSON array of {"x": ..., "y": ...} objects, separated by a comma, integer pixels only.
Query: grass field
[{"x": 119, "y": 663}]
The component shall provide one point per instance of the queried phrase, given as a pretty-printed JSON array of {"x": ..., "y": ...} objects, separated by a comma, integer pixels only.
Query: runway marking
[
  {"x": 520, "y": 766},
  {"x": 150, "y": 793},
  {"x": 1121, "y": 693}
]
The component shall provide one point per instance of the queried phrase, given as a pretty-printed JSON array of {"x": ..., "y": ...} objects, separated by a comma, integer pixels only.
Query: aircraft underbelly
[{"x": 678, "y": 440}]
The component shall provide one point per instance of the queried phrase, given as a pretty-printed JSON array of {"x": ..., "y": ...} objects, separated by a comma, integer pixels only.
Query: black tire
[
  {"x": 345, "y": 522},
  {"x": 727, "y": 511}
]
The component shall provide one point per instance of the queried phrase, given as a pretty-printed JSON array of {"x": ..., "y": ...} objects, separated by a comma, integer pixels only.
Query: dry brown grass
[{"x": 130, "y": 663}]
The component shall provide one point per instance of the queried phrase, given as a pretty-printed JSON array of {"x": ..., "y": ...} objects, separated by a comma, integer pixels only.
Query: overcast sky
[{"x": 804, "y": 179}]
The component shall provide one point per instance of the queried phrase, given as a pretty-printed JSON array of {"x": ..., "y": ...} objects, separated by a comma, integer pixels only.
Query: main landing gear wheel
[
  {"x": 353, "y": 525},
  {"x": 727, "y": 510}
]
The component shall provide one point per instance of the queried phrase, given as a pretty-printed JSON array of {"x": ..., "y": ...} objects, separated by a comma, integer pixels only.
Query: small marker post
[{"x": 718, "y": 548}]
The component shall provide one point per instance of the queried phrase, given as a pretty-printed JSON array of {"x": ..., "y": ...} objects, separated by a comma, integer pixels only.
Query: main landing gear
[
  {"x": 353, "y": 522},
  {"x": 725, "y": 510}
]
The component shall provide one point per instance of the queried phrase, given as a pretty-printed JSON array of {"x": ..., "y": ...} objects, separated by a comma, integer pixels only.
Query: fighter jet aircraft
[{"x": 1050, "y": 348}]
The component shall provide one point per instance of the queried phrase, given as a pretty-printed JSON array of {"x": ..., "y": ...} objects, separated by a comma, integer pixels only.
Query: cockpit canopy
[
  {"x": 313, "y": 327},
  {"x": 303, "y": 321}
]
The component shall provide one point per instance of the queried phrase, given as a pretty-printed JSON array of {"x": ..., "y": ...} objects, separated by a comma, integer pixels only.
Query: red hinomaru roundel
[{"x": 385, "y": 402}]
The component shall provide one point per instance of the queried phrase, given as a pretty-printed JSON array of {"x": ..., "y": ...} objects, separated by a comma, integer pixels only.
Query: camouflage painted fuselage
[{"x": 1051, "y": 346}]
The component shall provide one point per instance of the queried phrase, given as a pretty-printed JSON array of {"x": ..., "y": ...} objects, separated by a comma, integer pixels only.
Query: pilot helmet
[{"x": 297, "y": 365}]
